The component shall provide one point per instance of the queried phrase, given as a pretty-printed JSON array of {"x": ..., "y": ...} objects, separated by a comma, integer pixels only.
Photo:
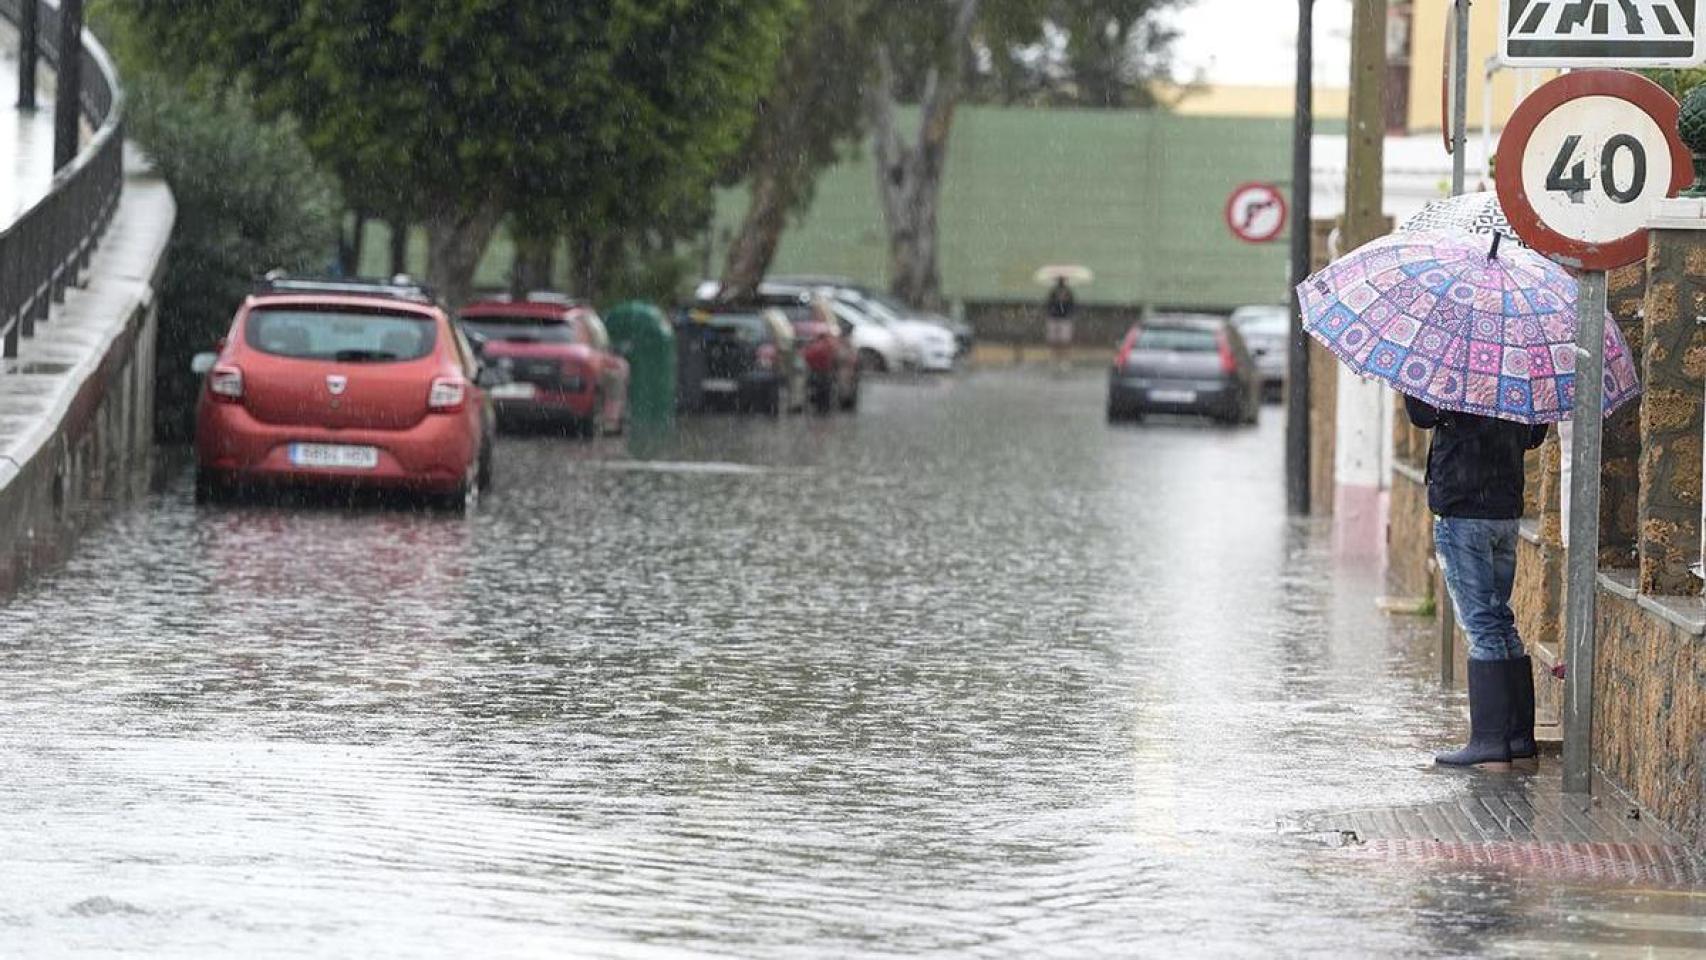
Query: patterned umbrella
[
  {"x": 1452, "y": 319},
  {"x": 1470, "y": 212}
]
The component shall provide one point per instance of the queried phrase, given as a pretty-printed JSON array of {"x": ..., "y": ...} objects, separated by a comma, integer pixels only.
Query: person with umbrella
[
  {"x": 1060, "y": 306},
  {"x": 1481, "y": 342}
]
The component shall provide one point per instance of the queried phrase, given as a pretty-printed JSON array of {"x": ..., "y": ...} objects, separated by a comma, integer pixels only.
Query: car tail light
[
  {"x": 766, "y": 356},
  {"x": 225, "y": 383},
  {"x": 1228, "y": 362},
  {"x": 447, "y": 394},
  {"x": 1125, "y": 349}
]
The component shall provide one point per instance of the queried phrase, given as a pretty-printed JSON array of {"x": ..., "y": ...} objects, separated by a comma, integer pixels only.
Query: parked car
[
  {"x": 879, "y": 349},
  {"x": 824, "y": 340},
  {"x": 557, "y": 364},
  {"x": 1267, "y": 332},
  {"x": 741, "y": 356},
  {"x": 926, "y": 346},
  {"x": 335, "y": 382},
  {"x": 1184, "y": 364}
]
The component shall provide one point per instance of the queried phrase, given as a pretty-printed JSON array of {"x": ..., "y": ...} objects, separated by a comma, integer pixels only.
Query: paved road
[{"x": 971, "y": 673}]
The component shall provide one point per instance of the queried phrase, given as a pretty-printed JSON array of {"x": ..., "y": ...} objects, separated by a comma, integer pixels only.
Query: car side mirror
[{"x": 203, "y": 362}]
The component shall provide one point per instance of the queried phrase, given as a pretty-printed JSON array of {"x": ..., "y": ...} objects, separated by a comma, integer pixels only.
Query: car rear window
[
  {"x": 748, "y": 327},
  {"x": 344, "y": 336},
  {"x": 521, "y": 329},
  {"x": 1269, "y": 322},
  {"x": 1175, "y": 340}
]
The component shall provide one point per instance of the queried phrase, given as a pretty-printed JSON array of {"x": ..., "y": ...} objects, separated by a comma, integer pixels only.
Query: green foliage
[
  {"x": 249, "y": 199},
  {"x": 1090, "y": 53},
  {"x": 600, "y": 112},
  {"x": 813, "y": 109}
]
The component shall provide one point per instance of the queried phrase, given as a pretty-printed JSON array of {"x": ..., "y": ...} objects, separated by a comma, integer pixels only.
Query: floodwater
[{"x": 971, "y": 673}]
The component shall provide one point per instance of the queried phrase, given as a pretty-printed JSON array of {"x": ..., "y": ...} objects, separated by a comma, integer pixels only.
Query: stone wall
[
  {"x": 1626, "y": 292},
  {"x": 1673, "y": 358},
  {"x": 1650, "y": 710},
  {"x": 77, "y": 403}
]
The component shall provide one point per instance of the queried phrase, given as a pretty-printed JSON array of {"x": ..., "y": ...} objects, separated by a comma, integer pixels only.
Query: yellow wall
[
  {"x": 1427, "y": 59},
  {"x": 1252, "y": 101}
]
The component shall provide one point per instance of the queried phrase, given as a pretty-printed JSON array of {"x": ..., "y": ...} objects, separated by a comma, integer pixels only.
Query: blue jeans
[{"x": 1478, "y": 560}]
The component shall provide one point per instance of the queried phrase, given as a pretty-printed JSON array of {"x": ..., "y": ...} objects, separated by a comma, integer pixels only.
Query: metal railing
[{"x": 48, "y": 246}]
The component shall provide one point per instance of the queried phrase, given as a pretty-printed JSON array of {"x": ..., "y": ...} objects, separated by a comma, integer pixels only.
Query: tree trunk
[
  {"x": 595, "y": 255},
  {"x": 754, "y": 247},
  {"x": 456, "y": 240},
  {"x": 399, "y": 246},
  {"x": 909, "y": 176},
  {"x": 533, "y": 265},
  {"x": 357, "y": 246}
]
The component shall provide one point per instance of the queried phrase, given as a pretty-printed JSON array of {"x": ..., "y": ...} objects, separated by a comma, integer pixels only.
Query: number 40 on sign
[{"x": 1582, "y": 162}]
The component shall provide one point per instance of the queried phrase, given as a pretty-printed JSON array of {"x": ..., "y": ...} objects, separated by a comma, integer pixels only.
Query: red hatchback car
[
  {"x": 555, "y": 359},
  {"x": 344, "y": 383}
]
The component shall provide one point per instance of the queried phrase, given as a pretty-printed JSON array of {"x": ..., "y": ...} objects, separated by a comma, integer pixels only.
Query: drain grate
[{"x": 1632, "y": 862}]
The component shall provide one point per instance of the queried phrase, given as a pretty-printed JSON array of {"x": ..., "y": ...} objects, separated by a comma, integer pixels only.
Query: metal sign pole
[
  {"x": 1297, "y": 440},
  {"x": 1460, "y": 109},
  {"x": 1583, "y": 557}
]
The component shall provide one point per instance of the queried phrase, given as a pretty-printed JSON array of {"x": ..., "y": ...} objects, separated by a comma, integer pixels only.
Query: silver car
[{"x": 1266, "y": 331}]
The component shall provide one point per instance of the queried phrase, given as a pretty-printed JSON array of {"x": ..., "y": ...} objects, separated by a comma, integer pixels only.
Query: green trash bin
[{"x": 644, "y": 338}]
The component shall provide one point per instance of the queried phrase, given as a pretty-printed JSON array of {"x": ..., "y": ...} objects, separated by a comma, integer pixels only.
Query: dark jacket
[
  {"x": 1474, "y": 463},
  {"x": 1061, "y": 304}
]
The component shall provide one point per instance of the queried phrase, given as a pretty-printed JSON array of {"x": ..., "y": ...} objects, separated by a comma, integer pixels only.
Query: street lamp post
[{"x": 1297, "y": 377}]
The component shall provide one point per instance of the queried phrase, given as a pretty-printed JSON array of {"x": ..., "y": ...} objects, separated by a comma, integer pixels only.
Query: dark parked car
[
  {"x": 1184, "y": 364},
  {"x": 739, "y": 356},
  {"x": 1266, "y": 331},
  {"x": 832, "y": 363}
]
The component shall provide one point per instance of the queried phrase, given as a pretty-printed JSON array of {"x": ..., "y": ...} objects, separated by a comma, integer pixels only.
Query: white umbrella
[
  {"x": 1071, "y": 273},
  {"x": 1470, "y": 212}
]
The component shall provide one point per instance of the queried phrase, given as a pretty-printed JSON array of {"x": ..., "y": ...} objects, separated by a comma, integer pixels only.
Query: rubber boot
[
  {"x": 1489, "y": 719},
  {"x": 1520, "y": 675}
]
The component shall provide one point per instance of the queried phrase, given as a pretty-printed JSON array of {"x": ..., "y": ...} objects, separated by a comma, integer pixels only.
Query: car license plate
[
  {"x": 335, "y": 455},
  {"x": 719, "y": 386},
  {"x": 1173, "y": 396},
  {"x": 515, "y": 391}
]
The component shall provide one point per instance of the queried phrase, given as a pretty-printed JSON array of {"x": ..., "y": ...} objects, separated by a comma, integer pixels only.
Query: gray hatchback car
[{"x": 1184, "y": 364}]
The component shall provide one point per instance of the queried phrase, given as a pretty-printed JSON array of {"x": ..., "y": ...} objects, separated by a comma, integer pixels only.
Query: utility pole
[
  {"x": 29, "y": 40},
  {"x": 1460, "y": 94},
  {"x": 1365, "y": 160},
  {"x": 67, "y": 112},
  {"x": 1302, "y": 223}
]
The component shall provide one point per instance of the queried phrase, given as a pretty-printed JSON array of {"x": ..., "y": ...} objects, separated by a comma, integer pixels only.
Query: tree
[
  {"x": 909, "y": 175},
  {"x": 1086, "y": 53},
  {"x": 805, "y": 121},
  {"x": 249, "y": 199},
  {"x": 456, "y": 112}
]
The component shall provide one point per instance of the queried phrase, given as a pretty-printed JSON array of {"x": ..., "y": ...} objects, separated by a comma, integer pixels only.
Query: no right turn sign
[{"x": 1601, "y": 33}]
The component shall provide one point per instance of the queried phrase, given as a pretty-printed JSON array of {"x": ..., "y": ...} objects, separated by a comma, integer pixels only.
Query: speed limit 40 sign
[{"x": 1582, "y": 162}]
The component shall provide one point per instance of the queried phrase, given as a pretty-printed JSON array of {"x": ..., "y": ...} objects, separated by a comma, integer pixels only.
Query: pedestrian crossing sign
[{"x": 1601, "y": 33}]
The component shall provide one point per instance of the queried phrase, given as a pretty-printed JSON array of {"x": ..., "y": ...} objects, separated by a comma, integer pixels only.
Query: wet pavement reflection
[{"x": 970, "y": 673}]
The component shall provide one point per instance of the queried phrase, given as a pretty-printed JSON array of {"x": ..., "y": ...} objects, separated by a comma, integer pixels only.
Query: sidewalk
[{"x": 1521, "y": 822}]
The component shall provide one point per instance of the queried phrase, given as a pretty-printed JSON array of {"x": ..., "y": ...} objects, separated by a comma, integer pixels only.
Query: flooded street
[{"x": 969, "y": 673}]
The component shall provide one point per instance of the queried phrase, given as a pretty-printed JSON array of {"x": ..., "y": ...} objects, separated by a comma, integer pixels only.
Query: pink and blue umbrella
[{"x": 1462, "y": 322}]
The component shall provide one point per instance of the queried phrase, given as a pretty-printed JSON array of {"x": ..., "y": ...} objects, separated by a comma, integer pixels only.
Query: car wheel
[
  {"x": 210, "y": 487},
  {"x": 871, "y": 361},
  {"x": 484, "y": 477},
  {"x": 465, "y": 498}
]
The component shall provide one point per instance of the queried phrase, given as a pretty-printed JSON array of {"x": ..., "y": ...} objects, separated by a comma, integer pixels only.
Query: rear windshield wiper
[{"x": 363, "y": 356}]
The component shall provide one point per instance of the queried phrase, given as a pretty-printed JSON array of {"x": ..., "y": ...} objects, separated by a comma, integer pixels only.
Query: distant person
[
  {"x": 1475, "y": 478},
  {"x": 1061, "y": 306}
]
